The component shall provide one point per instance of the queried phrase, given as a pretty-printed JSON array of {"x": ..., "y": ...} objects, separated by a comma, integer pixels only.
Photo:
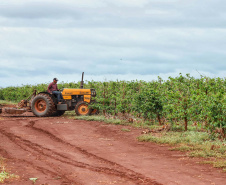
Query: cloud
[
  {"x": 39, "y": 9},
  {"x": 106, "y": 38},
  {"x": 117, "y": 13}
]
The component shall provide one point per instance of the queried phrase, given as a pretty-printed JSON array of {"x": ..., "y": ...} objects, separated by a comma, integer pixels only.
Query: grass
[
  {"x": 109, "y": 120},
  {"x": 216, "y": 164},
  {"x": 174, "y": 137},
  {"x": 125, "y": 130},
  {"x": 3, "y": 173},
  {"x": 99, "y": 118},
  {"x": 5, "y": 102},
  {"x": 195, "y": 144}
]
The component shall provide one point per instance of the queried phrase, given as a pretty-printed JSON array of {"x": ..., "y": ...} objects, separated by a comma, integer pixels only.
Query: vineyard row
[{"x": 180, "y": 100}]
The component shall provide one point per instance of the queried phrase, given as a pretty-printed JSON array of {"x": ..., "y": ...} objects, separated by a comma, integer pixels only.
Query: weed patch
[
  {"x": 125, "y": 130},
  {"x": 99, "y": 118},
  {"x": 195, "y": 144},
  {"x": 3, "y": 172}
]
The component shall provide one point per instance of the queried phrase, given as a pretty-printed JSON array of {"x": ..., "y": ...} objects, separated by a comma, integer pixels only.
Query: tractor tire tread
[{"x": 51, "y": 106}]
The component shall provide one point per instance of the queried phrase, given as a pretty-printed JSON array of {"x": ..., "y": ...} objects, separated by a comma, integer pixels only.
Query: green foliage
[
  {"x": 1, "y": 94},
  {"x": 3, "y": 175},
  {"x": 148, "y": 103},
  {"x": 178, "y": 101}
]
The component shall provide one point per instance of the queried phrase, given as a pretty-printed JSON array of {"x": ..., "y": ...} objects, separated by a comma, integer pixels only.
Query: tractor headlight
[{"x": 93, "y": 92}]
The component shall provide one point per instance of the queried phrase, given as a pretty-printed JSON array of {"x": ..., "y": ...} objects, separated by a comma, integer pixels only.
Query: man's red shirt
[{"x": 52, "y": 87}]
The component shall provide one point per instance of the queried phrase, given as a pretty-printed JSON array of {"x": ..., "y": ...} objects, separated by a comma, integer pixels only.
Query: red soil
[{"x": 61, "y": 151}]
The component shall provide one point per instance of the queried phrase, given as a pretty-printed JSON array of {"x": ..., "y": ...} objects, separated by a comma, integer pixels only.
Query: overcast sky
[{"x": 110, "y": 39}]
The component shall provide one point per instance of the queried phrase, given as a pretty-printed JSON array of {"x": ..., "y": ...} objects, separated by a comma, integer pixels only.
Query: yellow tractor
[{"x": 45, "y": 104}]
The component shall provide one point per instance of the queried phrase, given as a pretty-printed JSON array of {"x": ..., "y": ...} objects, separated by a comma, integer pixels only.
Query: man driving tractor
[{"x": 53, "y": 89}]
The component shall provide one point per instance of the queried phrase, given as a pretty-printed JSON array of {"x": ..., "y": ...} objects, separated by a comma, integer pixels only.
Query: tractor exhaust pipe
[{"x": 81, "y": 85}]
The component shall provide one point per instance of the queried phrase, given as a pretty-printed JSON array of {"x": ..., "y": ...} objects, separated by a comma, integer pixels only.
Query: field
[
  {"x": 183, "y": 118},
  {"x": 54, "y": 151}
]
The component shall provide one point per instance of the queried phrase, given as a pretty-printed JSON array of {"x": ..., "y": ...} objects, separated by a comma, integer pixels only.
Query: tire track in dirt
[
  {"x": 124, "y": 173},
  {"x": 97, "y": 145},
  {"x": 5, "y": 154},
  {"x": 36, "y": 149},
  {"x": 28, "y": 146}
]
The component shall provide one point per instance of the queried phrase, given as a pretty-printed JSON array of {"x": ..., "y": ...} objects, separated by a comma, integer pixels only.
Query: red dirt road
[{"x": 61, "y": 151}]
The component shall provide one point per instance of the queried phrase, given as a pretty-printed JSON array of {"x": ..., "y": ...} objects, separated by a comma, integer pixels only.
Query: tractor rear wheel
[
  {"x": 82, "y": 109},
  {"x": 42, "y": 105}
]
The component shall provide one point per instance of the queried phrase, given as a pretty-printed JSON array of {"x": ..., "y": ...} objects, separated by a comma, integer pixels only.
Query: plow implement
[{"x": 11, "y": 110}]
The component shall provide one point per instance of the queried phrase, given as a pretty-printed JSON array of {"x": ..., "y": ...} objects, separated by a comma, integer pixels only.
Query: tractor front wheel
[{"x": 82, "y": 109}]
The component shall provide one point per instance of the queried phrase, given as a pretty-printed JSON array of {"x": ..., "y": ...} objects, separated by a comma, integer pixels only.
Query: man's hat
[{"x": 55, "y": 79}]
